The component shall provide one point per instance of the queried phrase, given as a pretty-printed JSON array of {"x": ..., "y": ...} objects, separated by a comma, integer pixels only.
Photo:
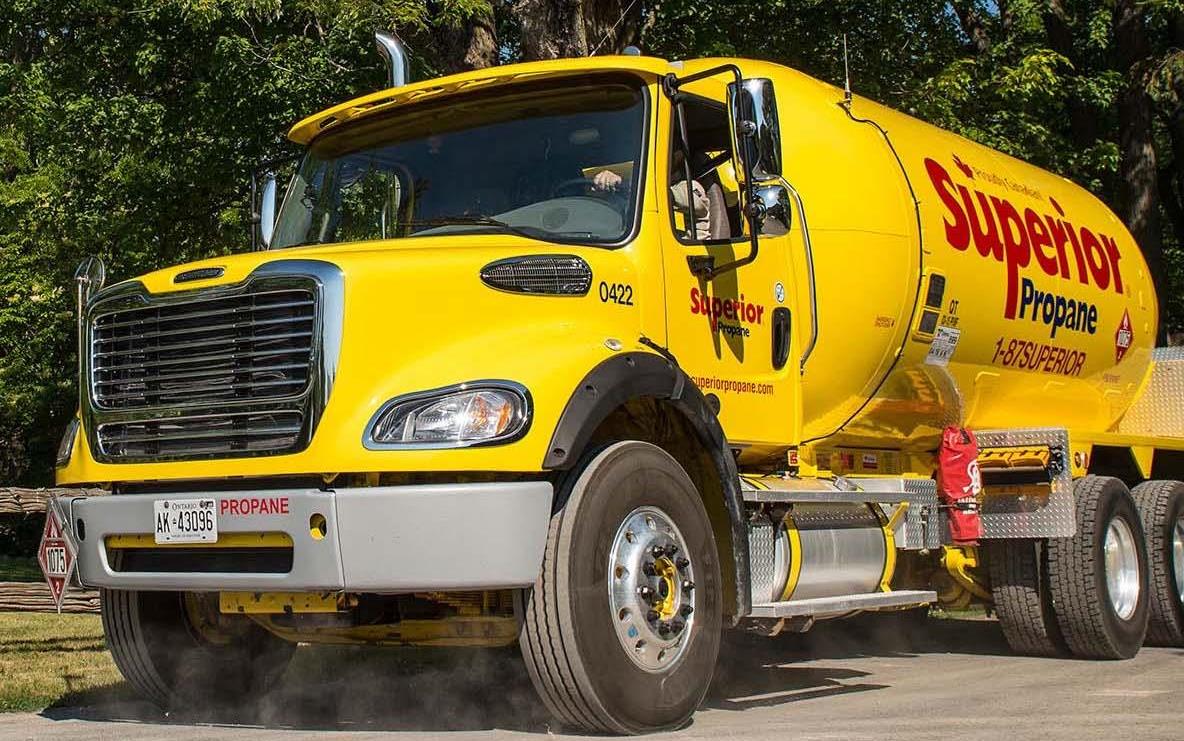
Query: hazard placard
[{"x": 56, "y": 554}]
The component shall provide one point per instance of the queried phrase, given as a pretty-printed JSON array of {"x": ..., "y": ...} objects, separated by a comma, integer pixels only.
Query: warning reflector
[{"x": 56, "y": 554}]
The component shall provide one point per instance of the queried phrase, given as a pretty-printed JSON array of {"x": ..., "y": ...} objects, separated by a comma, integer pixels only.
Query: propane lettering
[
  {"x": 999, "y": 230},
  {"x": 1057, "y": 312},
  {"x": 254, "y": 506}
]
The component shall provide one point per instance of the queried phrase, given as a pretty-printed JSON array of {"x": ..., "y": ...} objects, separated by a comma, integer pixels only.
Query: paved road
[{"x": 837, "y": 682}]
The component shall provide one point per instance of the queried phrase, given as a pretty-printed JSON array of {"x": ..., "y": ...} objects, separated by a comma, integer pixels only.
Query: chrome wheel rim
[
  {"x": 1122, "y": 568},
  {"x": 1178, "y": 557},
  {"x": 651, "y": 588}
]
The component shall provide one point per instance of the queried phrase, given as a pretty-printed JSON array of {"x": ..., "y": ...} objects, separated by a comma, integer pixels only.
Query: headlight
[
  {"x": 478, "y": 413},
  {"x": 66, "y": 446}
]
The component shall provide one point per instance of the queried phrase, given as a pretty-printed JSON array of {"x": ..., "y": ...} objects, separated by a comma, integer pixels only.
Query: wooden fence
[
  {"x": 35, "y": 596},
  {"x": 16, "y": 596},
  {"x": 17, "y": 501}
]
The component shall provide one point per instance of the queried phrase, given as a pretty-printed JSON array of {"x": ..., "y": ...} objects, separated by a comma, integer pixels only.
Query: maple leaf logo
[{"x": 965, "y": 168}]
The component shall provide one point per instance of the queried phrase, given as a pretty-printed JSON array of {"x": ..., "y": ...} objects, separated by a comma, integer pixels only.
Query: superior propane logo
[
  {"x": 727, "y": 316},
  {"x": 999, "y": 230}
]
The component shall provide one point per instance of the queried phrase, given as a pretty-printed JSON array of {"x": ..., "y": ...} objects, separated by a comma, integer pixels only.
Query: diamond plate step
[{"x": 844, "y": 603}]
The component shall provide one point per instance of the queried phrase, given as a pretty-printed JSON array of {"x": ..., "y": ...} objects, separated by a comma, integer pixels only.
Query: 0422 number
[{"x": 616, "y": 293}]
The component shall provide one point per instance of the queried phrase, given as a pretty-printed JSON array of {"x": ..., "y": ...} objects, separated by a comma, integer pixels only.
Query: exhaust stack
[{"x": 394, "y": 53}]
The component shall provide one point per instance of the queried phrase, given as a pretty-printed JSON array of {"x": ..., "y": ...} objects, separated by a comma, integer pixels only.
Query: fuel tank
[{"x": 954, "y": 283}]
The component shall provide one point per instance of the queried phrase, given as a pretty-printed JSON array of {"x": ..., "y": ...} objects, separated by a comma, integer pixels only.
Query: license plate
[{"x": 185, "y": 520}]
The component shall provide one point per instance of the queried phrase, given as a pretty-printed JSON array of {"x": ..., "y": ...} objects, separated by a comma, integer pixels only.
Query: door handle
[{"x": 781, "y": 324}]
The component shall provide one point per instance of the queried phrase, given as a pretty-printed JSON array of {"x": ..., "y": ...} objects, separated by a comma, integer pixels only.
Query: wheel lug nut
[
  {"x": 647, "y": 593},
  {"x": 677, "y": 625},
  {"x": 681, "y": 562},
  {"x": 670, "y": 550},
  {"x": 652, "y": 615},
  {"x": 648, "y": 569},
  {"x": 686, "y": 610},
  {"x": 687, "y": 585},
  {"x": 663, "y": 628},
  {"x": 656, "y": 551}
]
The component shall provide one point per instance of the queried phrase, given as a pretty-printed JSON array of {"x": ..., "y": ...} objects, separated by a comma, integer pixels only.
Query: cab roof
[{"x": 305, "y": 131}]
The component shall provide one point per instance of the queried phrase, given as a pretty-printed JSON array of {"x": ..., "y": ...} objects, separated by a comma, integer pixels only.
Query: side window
[{"x": 710, "y": 211}]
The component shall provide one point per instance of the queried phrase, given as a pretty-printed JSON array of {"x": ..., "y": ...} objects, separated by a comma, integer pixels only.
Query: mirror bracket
[{"x": 702, "y": 266}]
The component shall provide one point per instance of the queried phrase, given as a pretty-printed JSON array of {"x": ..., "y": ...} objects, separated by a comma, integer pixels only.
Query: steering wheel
[
  {"x": 584, "y": 185},
  {"x": 587, "y": 189}
]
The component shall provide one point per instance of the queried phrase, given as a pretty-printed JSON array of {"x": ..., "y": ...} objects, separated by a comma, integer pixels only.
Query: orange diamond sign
[{"x": 56, "y": 554}]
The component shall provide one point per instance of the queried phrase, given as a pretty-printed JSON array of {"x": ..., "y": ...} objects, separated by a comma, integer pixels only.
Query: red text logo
[
  {"x": 998, "y": 229},
  {"x": 254, "y": 506}
]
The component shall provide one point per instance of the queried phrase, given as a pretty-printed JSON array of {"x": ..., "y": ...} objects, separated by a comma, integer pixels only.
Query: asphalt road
[{"x": 856, "y": 681}]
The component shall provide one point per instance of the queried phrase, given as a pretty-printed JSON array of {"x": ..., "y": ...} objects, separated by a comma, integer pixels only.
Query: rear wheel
[
  {"x": 1098, "y": 578},
  {"x": 174, "y": 648},
  {"x": 1019, "y": 588},
  {"x": 1161, "y": 504},
  {"x": 621, "y": 631}
]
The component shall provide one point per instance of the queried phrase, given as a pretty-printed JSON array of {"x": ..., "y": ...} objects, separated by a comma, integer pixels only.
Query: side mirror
[
  {"x": 267, "y": 206},
  {"x": 89, "y": 278},
  {"x": 753, "y": 107},
  {"x": 776, "y": 210}
]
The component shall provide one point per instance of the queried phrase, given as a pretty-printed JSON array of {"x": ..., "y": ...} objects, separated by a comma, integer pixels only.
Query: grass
[
  {"x": 19, "y": 568},
  {"x": 47, "y": 658}
]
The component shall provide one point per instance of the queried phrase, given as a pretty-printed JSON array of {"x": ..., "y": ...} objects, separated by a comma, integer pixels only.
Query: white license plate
[{"x": 185, "y": 520}]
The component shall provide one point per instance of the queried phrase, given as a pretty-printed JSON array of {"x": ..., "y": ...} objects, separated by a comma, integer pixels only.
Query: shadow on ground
[{"x": 345, "y": 689}]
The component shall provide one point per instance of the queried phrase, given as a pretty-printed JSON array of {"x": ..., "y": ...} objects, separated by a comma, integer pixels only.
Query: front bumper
[{"x": 376, "y": 539}]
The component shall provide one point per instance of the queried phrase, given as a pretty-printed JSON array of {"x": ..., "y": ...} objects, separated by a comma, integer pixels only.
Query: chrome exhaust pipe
[{"x": 394, "y": 53}]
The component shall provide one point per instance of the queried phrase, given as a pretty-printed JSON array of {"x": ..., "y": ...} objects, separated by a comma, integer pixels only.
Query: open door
[{"x": 732, "y": 301}]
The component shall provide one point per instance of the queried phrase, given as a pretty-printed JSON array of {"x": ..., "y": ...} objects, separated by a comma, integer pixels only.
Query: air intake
[{"x": 551, "y": 275}]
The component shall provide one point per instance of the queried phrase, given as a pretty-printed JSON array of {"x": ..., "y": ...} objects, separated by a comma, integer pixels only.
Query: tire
[
  {"x": 1161, "y": 504},
  {"x": 1078, "y": 573},
  {"x": 1022, "y": 603},
  {"x": 573, "y": 651},
  {"x": 162, "y": 655}
]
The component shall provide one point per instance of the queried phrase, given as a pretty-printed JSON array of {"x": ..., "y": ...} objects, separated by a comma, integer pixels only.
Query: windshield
[{"x": 558, "y": 161}]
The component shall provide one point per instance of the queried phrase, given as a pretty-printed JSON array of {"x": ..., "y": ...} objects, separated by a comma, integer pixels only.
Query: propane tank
[{"x": 954, "y": 284}]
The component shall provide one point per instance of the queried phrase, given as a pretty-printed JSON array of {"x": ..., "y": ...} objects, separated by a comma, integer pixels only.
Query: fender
[{"x": 637, "y": 375}]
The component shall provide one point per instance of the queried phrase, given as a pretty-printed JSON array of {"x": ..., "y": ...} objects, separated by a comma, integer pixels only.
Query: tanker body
[
  {"x": 500, "y": 377},
  {"x": 955, "y": 284}
]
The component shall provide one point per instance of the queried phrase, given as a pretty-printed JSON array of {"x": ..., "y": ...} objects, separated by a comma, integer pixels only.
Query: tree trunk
[
  {"x": 553, "y": 29},
  {"x": 471, "y": 45},
  {"x": 1084, "y": 118},
  {"x": 1138, "y": 186}
]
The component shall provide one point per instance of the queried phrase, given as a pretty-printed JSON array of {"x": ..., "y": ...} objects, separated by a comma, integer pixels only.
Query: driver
[{"x": 607, "y": 181}]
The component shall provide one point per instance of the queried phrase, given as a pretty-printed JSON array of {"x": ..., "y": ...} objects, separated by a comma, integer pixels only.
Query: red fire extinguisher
[{"x": 959, "y": 484}]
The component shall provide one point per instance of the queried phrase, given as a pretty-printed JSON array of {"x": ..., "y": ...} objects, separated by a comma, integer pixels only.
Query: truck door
[{"x": 732, "y": 333}]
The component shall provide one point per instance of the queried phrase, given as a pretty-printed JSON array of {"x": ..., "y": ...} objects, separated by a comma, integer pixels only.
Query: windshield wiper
[{"x": 529, "y": 232}]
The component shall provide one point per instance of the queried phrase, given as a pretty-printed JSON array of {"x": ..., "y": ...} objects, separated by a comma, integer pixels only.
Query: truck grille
[
  {"x": 229, "y": 372},
  {"x": 212, "y": 435},
  {"x": 233, "y": 348}
]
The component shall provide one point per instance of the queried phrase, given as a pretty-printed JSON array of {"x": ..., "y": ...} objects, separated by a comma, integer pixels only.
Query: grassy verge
[
  {"x": 19, "y": 568},
  {"x": 46, "y": 658}
]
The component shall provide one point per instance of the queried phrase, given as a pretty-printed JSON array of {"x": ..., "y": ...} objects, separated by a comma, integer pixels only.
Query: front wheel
[
  {"x": 622, "y": 629},
  {"x": 175, "y": 650}
]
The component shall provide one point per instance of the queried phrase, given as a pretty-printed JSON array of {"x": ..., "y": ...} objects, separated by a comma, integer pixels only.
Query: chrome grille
[
  {"x": 234, "y": 371},
  {"x": 210, "y": 435},
  {"x": 243, "y": 347}
]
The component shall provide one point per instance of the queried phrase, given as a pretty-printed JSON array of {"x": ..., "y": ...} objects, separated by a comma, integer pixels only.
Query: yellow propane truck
[{"x": 604, "y": 357}]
